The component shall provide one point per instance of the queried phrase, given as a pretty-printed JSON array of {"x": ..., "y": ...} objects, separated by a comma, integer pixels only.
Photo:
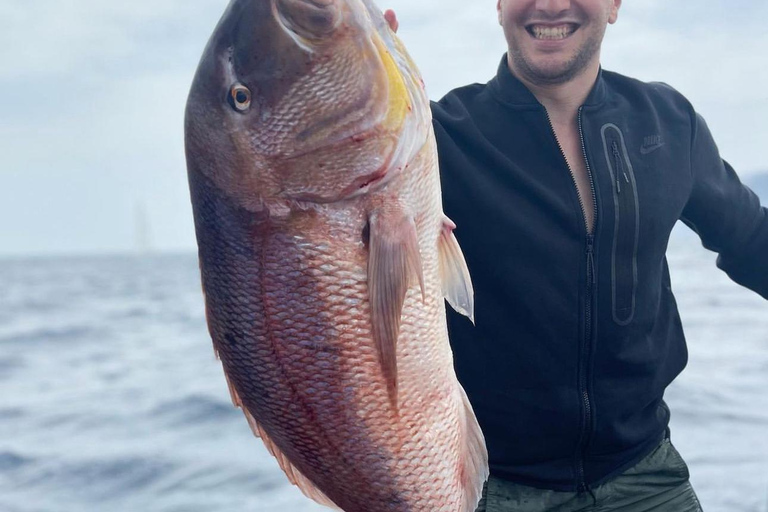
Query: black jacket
[{"x": 578, "y": 336}]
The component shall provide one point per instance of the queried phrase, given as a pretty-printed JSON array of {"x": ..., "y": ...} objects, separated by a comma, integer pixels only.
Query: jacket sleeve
[{"x": 726, "y": 214}]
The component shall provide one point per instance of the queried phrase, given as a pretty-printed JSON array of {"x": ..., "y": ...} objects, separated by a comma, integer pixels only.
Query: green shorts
[{"x": 658, "y": 483}]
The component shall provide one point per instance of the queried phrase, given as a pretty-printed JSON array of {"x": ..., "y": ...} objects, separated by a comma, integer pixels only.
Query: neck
[{"x": 562, "y": 100}]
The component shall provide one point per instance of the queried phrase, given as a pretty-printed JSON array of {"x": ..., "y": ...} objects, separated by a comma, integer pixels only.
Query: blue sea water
[{"x": 112, "y": 400}]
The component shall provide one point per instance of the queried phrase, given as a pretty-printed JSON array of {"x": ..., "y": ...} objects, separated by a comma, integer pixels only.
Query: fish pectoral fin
[
  {"x": 454, "y": 274},
  {"x": 305, "y": 485},
  {"x": 393, "y": 263}
]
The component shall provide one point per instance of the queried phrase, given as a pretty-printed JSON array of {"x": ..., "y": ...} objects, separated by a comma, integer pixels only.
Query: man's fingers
[{"x": 391, "y": 18}]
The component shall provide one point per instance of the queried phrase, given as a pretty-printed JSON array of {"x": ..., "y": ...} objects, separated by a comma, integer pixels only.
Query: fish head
[{"x": 303, "y": 101}]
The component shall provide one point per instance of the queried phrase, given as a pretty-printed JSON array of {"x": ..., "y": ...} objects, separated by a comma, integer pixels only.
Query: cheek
[
  {"x": 511, "y": 12},
  {"x": 510, "y": 24}
]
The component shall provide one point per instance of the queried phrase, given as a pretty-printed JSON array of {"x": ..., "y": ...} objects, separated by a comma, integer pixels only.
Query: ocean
[{"x": 112, "y": 400}]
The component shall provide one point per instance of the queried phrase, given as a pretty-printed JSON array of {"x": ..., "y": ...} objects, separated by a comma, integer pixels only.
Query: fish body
[{"x": 325, "y": 256}]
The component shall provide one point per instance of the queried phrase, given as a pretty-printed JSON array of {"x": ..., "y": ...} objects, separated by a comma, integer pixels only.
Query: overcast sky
[{"x": 92, "y": 96}]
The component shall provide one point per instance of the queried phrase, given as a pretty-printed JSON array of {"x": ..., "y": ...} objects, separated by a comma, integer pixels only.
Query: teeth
[{"x": 561, "y": 32}]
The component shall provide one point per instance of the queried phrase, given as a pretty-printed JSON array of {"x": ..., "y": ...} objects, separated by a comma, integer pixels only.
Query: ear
[
  {"x": 498, "y": 10},
  {"x": 614, "y": 15}
]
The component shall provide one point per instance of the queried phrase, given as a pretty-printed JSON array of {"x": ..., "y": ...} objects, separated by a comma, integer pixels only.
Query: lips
[{"x": 551, "y": 32}]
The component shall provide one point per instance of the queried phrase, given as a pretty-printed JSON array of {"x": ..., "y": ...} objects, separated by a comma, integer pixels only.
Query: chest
[
  {"x": 569, "y": 140},
  {"x": 514, "y": 190}
]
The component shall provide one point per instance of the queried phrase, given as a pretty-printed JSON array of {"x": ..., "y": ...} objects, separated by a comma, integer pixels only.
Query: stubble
[{"x": 532, "y": 73}]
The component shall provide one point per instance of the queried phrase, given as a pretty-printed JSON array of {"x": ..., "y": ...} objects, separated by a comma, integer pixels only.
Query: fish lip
[{"x": 325, "y": 13}]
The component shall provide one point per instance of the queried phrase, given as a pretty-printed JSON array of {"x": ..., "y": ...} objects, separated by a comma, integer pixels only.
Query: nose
[{"x": 553, "y": 7}]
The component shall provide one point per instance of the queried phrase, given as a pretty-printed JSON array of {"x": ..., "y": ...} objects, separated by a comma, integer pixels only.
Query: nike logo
[
  {"x": 651, "y": 143},
  {"x": 650, "y": 149}
]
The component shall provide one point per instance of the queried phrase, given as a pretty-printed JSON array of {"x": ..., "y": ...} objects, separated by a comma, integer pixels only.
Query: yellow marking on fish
[{"x": 399, "y": 100}]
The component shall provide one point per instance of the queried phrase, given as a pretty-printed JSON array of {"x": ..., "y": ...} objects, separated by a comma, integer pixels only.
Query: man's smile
[{"x": 551, "y": 32}]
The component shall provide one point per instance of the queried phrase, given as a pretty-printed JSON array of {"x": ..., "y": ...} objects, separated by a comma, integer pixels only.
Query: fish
[{"x": 326, "y": 259}]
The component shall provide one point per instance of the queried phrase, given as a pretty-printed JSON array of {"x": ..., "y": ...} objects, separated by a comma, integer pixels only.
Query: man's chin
[
  {"x": 551, "y": 75},
  {"x": 547, "y": 71}
]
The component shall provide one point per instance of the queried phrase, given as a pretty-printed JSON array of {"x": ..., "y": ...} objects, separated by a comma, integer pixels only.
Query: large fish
[{"x": 325, "y": 255}]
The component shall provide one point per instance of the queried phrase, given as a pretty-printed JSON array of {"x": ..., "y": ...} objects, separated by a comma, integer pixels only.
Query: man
[{"x": 565, "y": 181}]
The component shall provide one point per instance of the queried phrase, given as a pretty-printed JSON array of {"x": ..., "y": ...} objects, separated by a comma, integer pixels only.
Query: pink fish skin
[{"x": 325, "y": 256}]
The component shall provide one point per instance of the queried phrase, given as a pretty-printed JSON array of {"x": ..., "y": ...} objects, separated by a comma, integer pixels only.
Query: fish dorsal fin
[
  {"x": 393, "y": 262},
  {"x": 295, "y": 476},
  {"x": 454, "y": 274},
  {"x": 473, "y": 454}
]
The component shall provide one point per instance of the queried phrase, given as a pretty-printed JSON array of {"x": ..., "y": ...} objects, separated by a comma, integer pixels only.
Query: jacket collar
[{"x": 510, "y": 90}]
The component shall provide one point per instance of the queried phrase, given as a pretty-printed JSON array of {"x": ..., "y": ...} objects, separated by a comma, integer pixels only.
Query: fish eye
[{"x": 240, "y": 98}]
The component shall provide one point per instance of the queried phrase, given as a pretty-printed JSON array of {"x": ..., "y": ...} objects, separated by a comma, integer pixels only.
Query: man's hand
[{"x": 391, "y": 18}]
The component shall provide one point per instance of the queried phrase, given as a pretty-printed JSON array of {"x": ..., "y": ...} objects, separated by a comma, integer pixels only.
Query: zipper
[
  {"x": 626, "y": 227},
  {"x": 587, "y": 403},
  {"x": 570, "y": 171},
  {"x": 588, "y": 318},
  {"x": 589, "y": 172},
  {"x": 590, "y": 285}
]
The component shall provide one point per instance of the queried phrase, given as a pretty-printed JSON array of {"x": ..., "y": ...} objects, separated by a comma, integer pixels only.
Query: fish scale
[{"x": 325, "y": 259}]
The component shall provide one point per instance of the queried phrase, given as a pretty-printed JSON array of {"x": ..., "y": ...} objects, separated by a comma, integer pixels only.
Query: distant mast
[{"x": 143, "y": 239}]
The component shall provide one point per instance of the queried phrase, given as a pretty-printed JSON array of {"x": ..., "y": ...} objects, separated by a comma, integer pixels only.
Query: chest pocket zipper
[{"x": 626, "y": 225}]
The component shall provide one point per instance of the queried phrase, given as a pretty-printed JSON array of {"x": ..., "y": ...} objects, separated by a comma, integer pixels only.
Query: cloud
[
  {"x": 92, "y": 96},
  {"x": 712, "y": 53}
]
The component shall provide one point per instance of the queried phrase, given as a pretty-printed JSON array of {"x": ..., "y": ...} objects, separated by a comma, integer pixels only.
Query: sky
[{"x": 92, "y": 97}]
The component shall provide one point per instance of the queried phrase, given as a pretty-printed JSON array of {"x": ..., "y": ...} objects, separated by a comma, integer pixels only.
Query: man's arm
[{"x": 726, "y": 214}]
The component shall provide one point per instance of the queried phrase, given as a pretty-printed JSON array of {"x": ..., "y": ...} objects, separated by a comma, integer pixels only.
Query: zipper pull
[
  {"x": 617, "y": 162},
  {"x": 617, "y": 157},
  {"x": 591, "y": 260}
]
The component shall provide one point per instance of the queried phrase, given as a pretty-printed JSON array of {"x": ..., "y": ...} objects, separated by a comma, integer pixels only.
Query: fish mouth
[
  {"x": 363, "y": 184},
  {"x": 359, "y": 186},
  {"x": 552, "y": 31},
  {"x": 308, "y": 19}
]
